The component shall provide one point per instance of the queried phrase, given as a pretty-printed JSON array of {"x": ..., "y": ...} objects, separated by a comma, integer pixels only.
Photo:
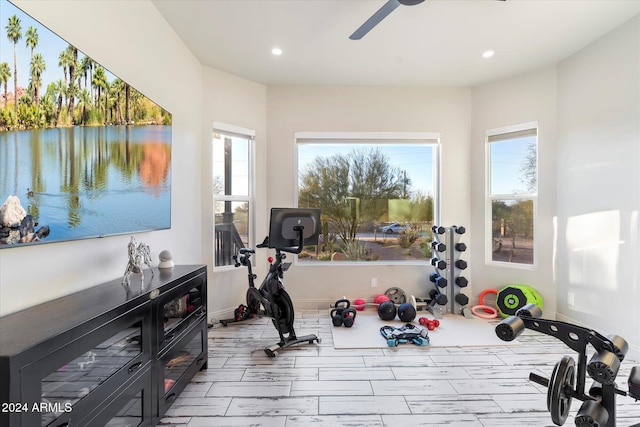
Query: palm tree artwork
[
  {"x": 111, "y": 101},
  {"x": 5, "y": 73},
  {"x": 14, "y": 34},
  {"x": 79, "y": 145},
  {"x": 37, "y": 68},
  {"x": 31, "y": 38}
]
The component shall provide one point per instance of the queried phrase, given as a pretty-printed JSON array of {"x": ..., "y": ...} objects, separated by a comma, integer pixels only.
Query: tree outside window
[
  {"x": 513, "y": 187},
  {"x": 377, "y": 199}
]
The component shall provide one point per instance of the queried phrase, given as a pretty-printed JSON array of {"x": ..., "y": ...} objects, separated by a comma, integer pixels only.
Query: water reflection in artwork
[{"x": 89, "y": 181}]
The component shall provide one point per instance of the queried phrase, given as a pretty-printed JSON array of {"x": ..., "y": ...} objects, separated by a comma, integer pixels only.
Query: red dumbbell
[{"x": 430, "y": 324}]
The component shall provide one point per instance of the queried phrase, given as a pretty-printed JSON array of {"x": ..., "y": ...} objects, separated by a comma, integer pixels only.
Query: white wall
[
  {"x": 598, "y": 175},
  {"x": 133, "y": 41},
  {"x": 233, "y": 101},
  {"x": 362, "y": 109},
  {"x": 521, "y": 99}
]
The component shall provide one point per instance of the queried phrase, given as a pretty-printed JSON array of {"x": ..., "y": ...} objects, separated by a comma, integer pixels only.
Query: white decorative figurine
[
  {"x": 166, "y": 259},
  {"x": 139, "y": 256}
]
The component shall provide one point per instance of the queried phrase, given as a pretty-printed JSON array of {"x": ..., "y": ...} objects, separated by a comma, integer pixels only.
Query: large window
[
  {"x": 377, "y": 192},
  {"x": 232, "y": 191},
  {"x": 512, "y": 187}
]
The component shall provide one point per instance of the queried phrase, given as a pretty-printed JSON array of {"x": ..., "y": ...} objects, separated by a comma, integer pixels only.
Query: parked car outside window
[{"x": 395, "y": 227}]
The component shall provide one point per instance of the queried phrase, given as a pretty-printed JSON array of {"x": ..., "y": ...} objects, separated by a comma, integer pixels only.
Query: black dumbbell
[
  {"x": 438, "y": 246},
  {"x": 437, "y": 229},
  {"x": 440, "y": 264},
  {"x": 460, "y": 247},
  {"x": 461, "y": 281},
  {"x": 462, "y": 299},
  {"x": 441, "y": 282},
  {"x": 438, "y": 297},
  {"x": 461, "y": 264},
  {"x": 459, "y": 230}
]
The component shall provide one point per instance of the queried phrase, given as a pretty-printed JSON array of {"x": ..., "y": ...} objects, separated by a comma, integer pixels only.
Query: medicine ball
[
  {"x": 387, "y": 310},
  {"x": 379, "y": 299},
  {"x": 406, "y": 312},
  {"x": 359, "y": 304}
]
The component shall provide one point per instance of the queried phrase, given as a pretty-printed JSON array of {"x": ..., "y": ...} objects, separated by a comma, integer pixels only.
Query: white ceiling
[{"x": 436, "y": 43}]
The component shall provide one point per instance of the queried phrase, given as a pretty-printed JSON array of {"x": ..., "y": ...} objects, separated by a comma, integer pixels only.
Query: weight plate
[
  {"x": 396, "y": 295},
  {"x": 559, "y": 393},
  {"x": 511, "y": 301},
  {"x": 513, "y": 297}
]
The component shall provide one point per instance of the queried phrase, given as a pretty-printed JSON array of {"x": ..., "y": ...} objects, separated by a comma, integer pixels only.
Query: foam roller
[
  {"x": 592, "y": 414},
  {"x": 510, "y": 328},
  {"x": 603, "y": 367},
  {"x": 530, "y": 310},
  {"x": 620, "y": 346}
]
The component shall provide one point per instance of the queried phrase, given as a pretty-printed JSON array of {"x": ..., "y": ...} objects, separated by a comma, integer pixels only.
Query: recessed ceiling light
[
  {"x": 488, "y": 54},
  {"x": 276, "y": 51}
]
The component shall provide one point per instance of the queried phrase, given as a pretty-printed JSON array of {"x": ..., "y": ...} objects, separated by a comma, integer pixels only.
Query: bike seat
[
  {"x": 246, "y": 251},
  {"x": 634, "y": 383}
]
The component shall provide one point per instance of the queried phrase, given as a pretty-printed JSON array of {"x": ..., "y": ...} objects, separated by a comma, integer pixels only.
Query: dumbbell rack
[{"x": 447, "y": 278}]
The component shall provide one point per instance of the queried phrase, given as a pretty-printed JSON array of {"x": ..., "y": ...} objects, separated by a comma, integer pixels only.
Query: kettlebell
[
  {"x": 348, "y": 317},
  {"x": 336, "y": 313}
]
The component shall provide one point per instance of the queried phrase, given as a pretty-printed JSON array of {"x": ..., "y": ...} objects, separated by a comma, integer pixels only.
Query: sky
[
  {"x": 49, "y": 46},
  {"x": 506, "y": 160}
]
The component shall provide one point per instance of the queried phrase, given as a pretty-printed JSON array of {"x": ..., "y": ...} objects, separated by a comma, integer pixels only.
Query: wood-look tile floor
[{"x": 317, "y": 385}]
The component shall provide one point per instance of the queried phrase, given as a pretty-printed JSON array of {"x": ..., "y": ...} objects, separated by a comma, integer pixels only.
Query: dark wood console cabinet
[{"x": 110, "y": 355}]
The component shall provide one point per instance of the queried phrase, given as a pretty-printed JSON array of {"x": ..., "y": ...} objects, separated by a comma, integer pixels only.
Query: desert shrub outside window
[
  {"x": 232, "y": 191},
  {"x": 377, "y": 192},
  {"x": 512, "y": 188}
]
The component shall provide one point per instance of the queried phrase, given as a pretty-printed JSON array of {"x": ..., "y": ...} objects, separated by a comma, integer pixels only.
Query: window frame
[
  {"x": 523, "y": 128},
  {"x": 249, "y": 134},
  {"x": 364, "y": 138}
]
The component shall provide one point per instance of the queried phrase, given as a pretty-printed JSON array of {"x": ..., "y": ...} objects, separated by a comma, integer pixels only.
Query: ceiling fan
[{"x": 382, "y": 13}]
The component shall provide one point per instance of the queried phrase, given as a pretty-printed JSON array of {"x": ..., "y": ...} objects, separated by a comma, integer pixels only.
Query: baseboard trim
[{"x": 633, "y": 355}]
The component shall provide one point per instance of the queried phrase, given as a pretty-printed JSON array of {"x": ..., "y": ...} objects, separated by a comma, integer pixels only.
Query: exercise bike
[
  {"x": 567, "y": 380},
  {"x": 289, "y": 231}
]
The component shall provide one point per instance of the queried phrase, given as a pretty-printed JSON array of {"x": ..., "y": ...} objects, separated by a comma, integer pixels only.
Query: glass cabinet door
[
  {"x": 176, "y": 363},
  {"x": 64, "y": 387},
  {"x": 179, "y": 311}
]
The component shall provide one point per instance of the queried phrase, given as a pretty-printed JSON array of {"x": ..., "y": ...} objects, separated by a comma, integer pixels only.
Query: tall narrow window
[
  {"x": 232, "y": 191},
  {"x": 377, "y": 192},
  {"x": 512, "y": 187}
]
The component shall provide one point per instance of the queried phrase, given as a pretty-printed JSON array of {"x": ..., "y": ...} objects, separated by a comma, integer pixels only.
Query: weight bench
[{"x": 568, "y": 379}]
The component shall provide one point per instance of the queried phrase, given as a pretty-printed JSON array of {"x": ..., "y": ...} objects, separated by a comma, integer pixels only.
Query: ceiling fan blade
[{"x": 375, "y": 19}]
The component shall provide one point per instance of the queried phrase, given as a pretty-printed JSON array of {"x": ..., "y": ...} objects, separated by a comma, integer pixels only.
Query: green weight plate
[
  {"x": 511, "y": 301},
  {"x": 513, "y": 297}
]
